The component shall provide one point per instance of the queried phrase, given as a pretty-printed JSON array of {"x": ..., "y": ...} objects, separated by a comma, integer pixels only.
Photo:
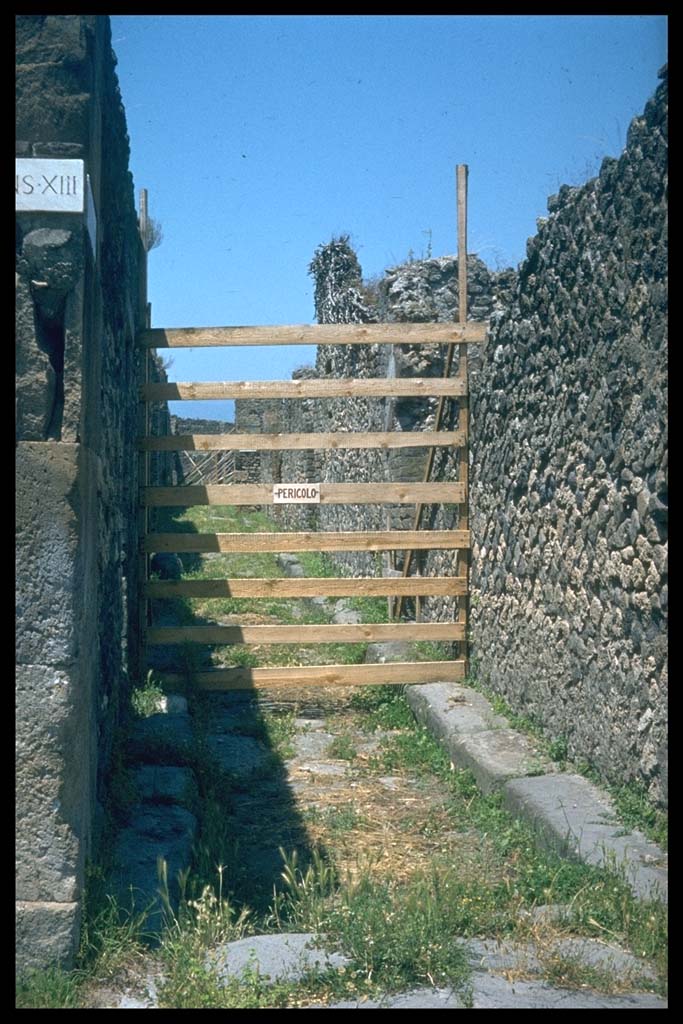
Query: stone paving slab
[
  {"x": 496, "y": 956},
  {"x": 277, "y": 957},
  {"x": 419, "y": 999},
  {"x": 166, "y": 784},
  {"x": 153, "y": 831},
  {"x": 162, "y": 739},
  {"x": 239, "y": 756},
  {"x": 311, "y": 744},
  {"x": 492, "y": 992}
]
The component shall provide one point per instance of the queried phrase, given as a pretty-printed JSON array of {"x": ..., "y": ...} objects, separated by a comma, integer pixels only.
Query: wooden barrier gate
[{"x": 451, "y": 334}]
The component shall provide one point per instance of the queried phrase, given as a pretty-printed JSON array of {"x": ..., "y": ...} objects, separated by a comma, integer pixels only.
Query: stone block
[
  {"x": 54, "y": 256},
  {"x": 65, "y": 118},
  {"x": 576, "y": 818},
  {"x": 51, "y": 37},
  {"x": 53, "y": 772},
  {"x": 239, "y": 756},
  {"x": 495, "y": 756},
  {"x": 153, "y": 832},
  {"x": 49, "y": 575},
  {"x": 162, "y": 739},
  {"x": 46, "y": 934},
  {"x": 166, "y": 784},
  {"x": 34, "y": 375},
  {"x": 451, "y": 709},
  {"x": 274, "y": 957}
]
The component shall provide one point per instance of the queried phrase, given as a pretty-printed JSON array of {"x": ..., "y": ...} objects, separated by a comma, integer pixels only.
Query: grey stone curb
[{"x": 570, "y": 814}]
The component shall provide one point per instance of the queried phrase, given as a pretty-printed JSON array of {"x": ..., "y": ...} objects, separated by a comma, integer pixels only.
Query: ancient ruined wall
[
  {"x": 419, "y": 290},
  {"x": 78, "y": 309},
  {"x": 568, "y": 462},
  {"x": 569, "y": 471}
]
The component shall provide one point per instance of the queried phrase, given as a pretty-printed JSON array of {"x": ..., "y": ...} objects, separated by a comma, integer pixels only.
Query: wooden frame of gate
[{"x": 420, "y": 494}]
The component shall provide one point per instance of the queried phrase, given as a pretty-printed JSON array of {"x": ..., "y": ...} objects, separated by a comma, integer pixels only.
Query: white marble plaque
[
  {"x": 56, "y": 186},
  {"x": 296, "y": 494}
]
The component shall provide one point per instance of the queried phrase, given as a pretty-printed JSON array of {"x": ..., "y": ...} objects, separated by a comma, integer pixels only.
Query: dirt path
[{"x": 342, "y": 777}]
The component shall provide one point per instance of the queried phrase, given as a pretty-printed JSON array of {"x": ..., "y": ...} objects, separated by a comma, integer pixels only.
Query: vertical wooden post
[
  {"x": 143, "y": 224},
  {"x": 143, "y": 457},
  {"x": 461, "y": 176},
  {"x": 463, "y": 403}
]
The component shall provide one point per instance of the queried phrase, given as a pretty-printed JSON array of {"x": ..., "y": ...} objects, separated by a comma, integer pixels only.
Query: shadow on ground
[{"x": 209, "y": 784}]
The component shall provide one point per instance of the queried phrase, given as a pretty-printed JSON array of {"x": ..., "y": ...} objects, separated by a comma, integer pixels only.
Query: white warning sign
[{"x": 296, "y": 494}]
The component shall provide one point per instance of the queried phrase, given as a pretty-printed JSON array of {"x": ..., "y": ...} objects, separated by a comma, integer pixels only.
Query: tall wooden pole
[
  {"x": 463, "y": 559},
  {"x": 461, "y": 179},
  {"x": 144, "y": 423}
]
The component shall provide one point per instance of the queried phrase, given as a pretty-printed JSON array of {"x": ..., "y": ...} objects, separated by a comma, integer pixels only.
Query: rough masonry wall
[
  {"x": 76, "y": 466},
  {"x": 416, "y": 291},
  {"x": 568, "y": 462},
  {"x": 569, "y": 471}
]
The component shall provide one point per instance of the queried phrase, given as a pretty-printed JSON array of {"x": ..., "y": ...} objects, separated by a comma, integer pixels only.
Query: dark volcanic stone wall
[
  {"x": 76, "y": 463},
  {"x": 569, "y": 470},
  {"x": 568, "y": 461}
]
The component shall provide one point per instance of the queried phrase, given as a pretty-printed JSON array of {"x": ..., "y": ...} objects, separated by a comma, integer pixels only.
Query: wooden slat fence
[{"x": 211, "y": 488}]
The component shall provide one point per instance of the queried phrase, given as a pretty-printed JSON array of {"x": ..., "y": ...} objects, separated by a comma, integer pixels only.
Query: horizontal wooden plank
[
  {"x": 323, "y": 675},
  {"x": 330, "y": 494},
  {"x": 315, "y": 334},
  {"x": 428, "y": 586},
  {"x": 288, "y": 442},
  {"x": 352, "y": 633},
  {"x": 383, "y": 540},
  {"x": 323, "y": 387}
]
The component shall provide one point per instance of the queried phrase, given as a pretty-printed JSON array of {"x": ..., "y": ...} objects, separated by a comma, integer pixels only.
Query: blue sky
[{"x": 259, "y": 137}]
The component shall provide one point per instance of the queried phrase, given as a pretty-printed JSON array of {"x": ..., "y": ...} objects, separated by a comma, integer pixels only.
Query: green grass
[
  {"x": 371, "y": 609},
  {"x": 146, "y": 700},
  {"x": 317, "y": 563},
  {"x": 427, "y": 650},
  {"x": 398, "y": 932},
  {"x": 383, "y": 707},
  {"x": 48, "y": 990},
  {"x": 398, "y": 928},
  {"x": 341, "y": 819}
]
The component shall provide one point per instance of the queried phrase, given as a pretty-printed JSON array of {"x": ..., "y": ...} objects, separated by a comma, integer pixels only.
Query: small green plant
[
  {"x": 558, "y": 749},
  {"x": 341, "y": 819},
  {"x": 317, "y": 563},
  {"x": 383, "y": 707},
  {"x": 371, "y": 609},
  {"x": 427, "y": 650},
  {"x": 400, "y": 934},
  {"x": 304, "y": 900},
  {"x": 113, "y": 937},
  {"x": 203, "y": 922},
  {"x": 342, "y": 747},
  {"x": 146, "y": 700}
]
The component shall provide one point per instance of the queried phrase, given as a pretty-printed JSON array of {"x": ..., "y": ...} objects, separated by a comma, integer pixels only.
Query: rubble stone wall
[
  {"x": 77, "y": 364},
  {"x": 568, "y": 459}
]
